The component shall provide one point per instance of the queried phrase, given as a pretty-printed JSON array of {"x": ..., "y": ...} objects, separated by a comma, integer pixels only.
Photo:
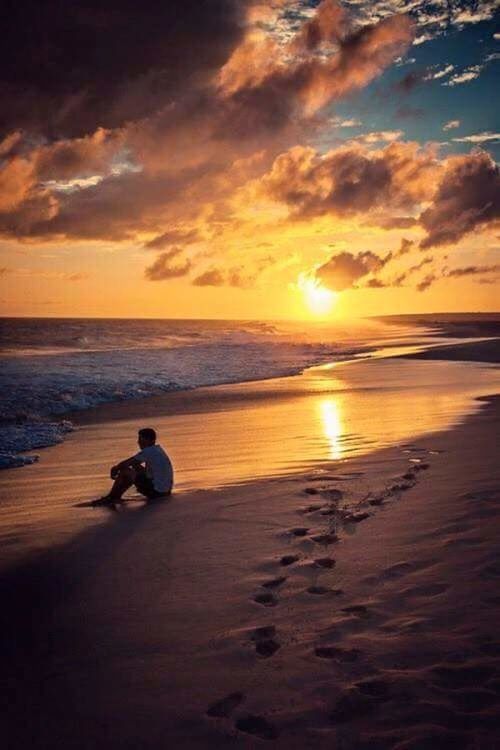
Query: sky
[{"x": 244, "y": 159}]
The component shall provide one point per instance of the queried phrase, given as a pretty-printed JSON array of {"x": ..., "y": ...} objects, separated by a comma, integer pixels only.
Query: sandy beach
[
  {"x": 249, "y": 375},
  {"x": 353, "y": 605}
]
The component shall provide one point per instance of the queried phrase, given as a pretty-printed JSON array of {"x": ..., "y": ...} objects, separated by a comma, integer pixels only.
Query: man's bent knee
[{"x": 128, "y": 473}]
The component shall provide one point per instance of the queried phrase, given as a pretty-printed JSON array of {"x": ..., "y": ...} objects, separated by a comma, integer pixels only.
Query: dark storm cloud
[{"x": 68, "y": 68}]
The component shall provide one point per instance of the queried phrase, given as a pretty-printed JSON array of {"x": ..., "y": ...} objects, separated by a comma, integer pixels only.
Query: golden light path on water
[{"x": 331, "y": 417}]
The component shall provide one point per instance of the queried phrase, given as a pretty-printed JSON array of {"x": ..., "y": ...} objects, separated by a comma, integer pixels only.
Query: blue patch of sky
[{"x": 422, "y": 111}]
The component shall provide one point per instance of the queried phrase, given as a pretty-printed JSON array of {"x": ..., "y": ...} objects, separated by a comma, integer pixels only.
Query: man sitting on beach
[{"x": 153, "y": 480}]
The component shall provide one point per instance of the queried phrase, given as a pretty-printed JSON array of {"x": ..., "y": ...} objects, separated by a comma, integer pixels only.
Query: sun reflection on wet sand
[{"x": 331, "y": 418}]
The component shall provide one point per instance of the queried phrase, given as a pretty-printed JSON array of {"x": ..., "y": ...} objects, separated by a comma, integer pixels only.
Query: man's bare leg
[{"x": 123, "y": 480}]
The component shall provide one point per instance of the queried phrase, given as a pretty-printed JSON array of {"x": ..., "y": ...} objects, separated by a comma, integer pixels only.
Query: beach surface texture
[{"x": 350, "y": 605}]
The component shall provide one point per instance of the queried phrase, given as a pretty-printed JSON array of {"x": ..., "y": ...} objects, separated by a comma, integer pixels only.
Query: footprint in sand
[
  {"x": 226, "y": 706},
  {"x": 258, "y": 726},
  {"x": 289, "y": 559},
  {"x": 274, "y": 583},
  {"x": 266, "y": 599},
  {"x": 267, "y": 647},
  {"x": 265, "y": 641},
  {"x": 299, "y": 531},
  {"x": 265, "y": 631}
]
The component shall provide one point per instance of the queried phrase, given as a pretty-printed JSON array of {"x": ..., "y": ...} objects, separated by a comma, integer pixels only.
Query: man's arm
[{"x": 132, "y": 461}]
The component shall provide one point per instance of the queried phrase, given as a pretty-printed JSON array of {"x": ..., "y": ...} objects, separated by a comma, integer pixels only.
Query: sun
[{"x": 318, "y": 298}]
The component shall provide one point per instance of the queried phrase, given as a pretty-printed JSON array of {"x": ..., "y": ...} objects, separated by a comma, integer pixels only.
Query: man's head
[{"x": 147, "y": 436}]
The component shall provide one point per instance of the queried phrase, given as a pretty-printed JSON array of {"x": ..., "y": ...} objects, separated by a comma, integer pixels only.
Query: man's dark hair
[{"x": 148, "y": 434}]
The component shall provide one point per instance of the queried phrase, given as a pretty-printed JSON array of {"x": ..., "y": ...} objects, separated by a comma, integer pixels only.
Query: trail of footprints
[{"x": 265, "y": 639}]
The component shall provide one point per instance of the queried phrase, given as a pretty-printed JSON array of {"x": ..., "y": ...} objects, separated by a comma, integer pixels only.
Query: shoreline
[
  {"x": 230, "y": 436},
  {"x": 152, "y": 615},
  {"x": 53, "y": 428}
]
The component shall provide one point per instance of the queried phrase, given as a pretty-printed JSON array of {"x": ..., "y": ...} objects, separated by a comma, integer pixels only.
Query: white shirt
[{"x": 158, "y": 467}]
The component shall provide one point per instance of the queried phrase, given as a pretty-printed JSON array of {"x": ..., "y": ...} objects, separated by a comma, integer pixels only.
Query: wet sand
[
  {"x": 354, "y": 606},
  {"x": 226, "y": 435}
]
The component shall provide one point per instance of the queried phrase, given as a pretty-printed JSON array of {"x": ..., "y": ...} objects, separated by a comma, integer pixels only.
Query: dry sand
[{"x": 352, "y": 608}]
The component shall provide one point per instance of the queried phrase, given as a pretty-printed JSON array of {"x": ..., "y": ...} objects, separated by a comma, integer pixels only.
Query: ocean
[{"x": 52, "y": 368}]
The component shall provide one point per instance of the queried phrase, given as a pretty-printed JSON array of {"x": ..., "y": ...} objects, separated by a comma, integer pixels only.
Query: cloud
[
  {"x": 469, "y": 74},
  {"x": 212, "y": 277},
  {"x": 435, "y": 75},
  {"x": 427, "y": 282},
  {"x": 235, "y": 277},
  {"x": 329, "y": 24},
  {"x": 344, "y": 269},
  {"x": 451, "y": 125},
  {"x": 472, "y": 270},
  {"x": 479, "y": 138},
  {"x": 405, "y": 247},
  {"x": 483, "y": 12},
  {"x": 104, "y": 65},
  {"x": 313, "y": 80},
  {"x": 122, "y": 143},
  {"x": 393, "y": 222},
  {"x": 163, "y": 268},
  {"x": 340, "y": 122},
  {"x": 173, "y": 236},
  {"x": 381, "y": 136},
  {"x": 468, "y": 198},
  {"x": 352, "y": 179},
  {"x": 401, "y": 278},
  {"x": 458, "y": 194}
]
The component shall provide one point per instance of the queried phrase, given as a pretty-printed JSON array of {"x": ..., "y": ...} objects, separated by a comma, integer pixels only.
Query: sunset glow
[
  {"x": 319, "y": 299},
  {"x": 353, "y": 146}
]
